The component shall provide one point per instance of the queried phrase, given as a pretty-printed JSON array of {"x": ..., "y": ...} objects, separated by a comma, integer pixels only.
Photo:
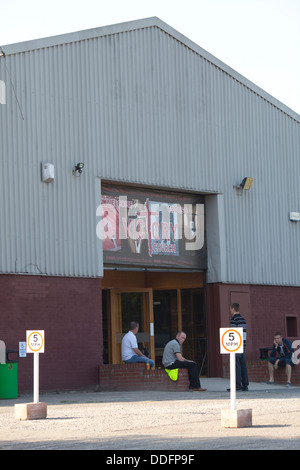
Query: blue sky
[{"x": 258, "y": 38}]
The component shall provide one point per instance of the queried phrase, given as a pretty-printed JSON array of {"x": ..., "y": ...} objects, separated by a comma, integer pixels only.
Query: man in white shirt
[{"x": 130, "y": 350}]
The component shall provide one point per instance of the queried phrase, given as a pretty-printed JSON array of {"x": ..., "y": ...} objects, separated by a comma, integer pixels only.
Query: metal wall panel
[{"x": 140, "y": 103}]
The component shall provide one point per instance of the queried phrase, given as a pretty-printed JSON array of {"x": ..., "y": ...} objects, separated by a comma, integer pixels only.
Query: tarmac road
[{"x": 173, "y": 421}]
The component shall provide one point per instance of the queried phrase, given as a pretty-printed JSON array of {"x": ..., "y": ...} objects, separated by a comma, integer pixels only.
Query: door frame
[{"x": 116, "y": 319}]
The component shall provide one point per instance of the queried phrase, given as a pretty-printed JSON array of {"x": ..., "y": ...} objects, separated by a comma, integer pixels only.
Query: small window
[{"x": 292, "y": 327}]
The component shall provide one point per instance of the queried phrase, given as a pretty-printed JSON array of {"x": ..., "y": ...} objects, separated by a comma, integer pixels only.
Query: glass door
[
  {"x": 194, "y": 325},
  {"x": 165, "y": 306},
  {"x": 126, "y": 306}
]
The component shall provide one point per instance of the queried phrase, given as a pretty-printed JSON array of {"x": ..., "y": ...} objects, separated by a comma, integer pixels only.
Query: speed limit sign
[
  {"x": 35, "y": 341},
  {"x": 231, "y": 340}
]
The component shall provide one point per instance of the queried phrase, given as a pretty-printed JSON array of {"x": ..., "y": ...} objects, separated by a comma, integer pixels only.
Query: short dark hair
[
  {"x": 133, "y": 325},
  {"x": 235, "y": 306},
  {"x": 180, "y": 332},
  {"x": 277, "y": 334}
]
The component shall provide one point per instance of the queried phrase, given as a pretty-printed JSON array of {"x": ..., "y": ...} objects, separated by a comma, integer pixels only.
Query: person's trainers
[
  {"x": 269, "y": 383},
  {"x": 288, "y": 384},
  {"x": 198, "y": 389},
  {"x": 245, "y": 389}
]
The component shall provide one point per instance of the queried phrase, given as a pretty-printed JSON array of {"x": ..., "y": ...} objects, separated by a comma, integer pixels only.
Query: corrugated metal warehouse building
[{"x": 159, "y": 121}]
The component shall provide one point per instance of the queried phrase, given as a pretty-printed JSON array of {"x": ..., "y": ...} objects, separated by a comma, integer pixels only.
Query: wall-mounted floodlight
[
  {"x": 245, "y": 184},
  {"x": 294, "y": 216},
  {"x": 77, "y": 170}
]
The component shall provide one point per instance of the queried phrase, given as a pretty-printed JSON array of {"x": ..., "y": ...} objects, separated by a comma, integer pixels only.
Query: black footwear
[
  {"x": 245, "y": 389},
  {"x": 237, "y": 389}
]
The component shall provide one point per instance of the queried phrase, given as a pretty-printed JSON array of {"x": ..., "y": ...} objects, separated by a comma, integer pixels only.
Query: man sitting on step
[
  {"x": 172, "y": 359},
  {"x": 281, "y": 356},
  {"x": 130, "y": 351}
]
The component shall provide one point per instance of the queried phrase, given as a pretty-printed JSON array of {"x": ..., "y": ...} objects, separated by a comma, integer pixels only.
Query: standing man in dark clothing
[{"x": 237, "y": 321}]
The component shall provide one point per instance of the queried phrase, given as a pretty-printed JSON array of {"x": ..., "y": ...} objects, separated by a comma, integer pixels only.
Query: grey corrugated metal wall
[{"x": 142, "y": 104}]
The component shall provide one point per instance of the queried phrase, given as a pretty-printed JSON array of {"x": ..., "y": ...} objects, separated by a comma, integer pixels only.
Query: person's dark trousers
[
  {"x": 192, "y": 371},
  {"x": 241, "y": 371}
]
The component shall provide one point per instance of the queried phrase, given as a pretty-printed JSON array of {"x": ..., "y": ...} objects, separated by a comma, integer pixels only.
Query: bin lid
[{"x": 2, "y": 352}]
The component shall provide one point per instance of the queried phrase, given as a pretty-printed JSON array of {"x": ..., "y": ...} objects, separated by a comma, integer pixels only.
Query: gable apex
[{"x": 140, "y": 24}]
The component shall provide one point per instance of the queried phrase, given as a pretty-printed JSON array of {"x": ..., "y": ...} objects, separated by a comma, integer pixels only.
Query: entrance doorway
[
  {"x": 165, "y": 320},
  {"x": 194, "y": 324},
  {"x": 126, "y": 305},
  {"x": 166, "y": 304}
]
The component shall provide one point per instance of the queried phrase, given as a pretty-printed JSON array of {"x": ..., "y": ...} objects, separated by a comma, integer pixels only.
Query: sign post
[
  {"x": 231, "y": 342},
  {"x": 232, "y": 381},
  {"x": 36, "y": 377},
  {"x": 35, "y": 341},
  {"x": 35, "y": 344}
]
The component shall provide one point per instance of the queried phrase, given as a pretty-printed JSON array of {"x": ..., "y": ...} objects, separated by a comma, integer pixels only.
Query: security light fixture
[
  {"x": 245, "y": 184},
  {"x": 77, "y": 170},
  {"x": 295, "y": 216}
]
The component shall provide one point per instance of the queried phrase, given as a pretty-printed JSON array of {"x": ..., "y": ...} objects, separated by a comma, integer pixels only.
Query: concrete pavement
[
  {"x": 219, "y": 385},
  {"x": 90, "y": 420}
]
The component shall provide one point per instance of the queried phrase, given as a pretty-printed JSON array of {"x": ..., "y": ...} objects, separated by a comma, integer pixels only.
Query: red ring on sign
[{"x": 231, "y": 350}]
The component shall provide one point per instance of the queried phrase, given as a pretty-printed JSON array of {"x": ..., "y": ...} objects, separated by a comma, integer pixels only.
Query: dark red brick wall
[
  {"x": 70, "y": 312},
  {"x": 135, "y": 377},
  {"x": 270, "y": 305},
  {"x": 265, "y": 309},
  {"x": 258, "y": 372}
]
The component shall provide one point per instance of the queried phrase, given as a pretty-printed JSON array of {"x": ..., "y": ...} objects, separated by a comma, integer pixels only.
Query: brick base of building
[
  {"x": 135, "y": 377},
  {"x": 258, "y": 372},
  {"x": 70, "y": 312}
]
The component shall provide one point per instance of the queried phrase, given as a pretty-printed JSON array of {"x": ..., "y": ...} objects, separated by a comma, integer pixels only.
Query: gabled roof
[{"x": 140, "y": 24}]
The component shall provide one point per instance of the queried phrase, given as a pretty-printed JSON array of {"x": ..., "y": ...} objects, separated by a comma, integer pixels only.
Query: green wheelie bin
[{"x": 9, "y": 378}]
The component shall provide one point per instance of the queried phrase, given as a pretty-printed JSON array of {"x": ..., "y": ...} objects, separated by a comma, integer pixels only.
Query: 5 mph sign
[
  {"x": 35, "y": 341},
  {"x": 231, "y": 340}
]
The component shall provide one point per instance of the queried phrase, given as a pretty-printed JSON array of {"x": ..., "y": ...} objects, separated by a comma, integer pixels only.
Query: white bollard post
[
  {"x": 231, "y": 341},
  {"x": 232, "y": 382},
  {"x": 36, "y": 377},
  {"x": 35, "y": 343}
]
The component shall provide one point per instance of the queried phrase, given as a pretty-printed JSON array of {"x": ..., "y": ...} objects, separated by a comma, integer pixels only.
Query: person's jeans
[
  {"x": 135, "y": 358},
  {"x": 192, "y": 371},
  {"x": 241, "y": 371}
]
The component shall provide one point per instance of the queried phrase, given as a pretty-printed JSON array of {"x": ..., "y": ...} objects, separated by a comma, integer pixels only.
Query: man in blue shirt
[{"x": 281, "y": 356}]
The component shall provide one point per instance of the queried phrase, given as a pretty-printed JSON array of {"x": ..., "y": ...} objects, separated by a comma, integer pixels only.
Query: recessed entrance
[{"x": 162, "y": 303}]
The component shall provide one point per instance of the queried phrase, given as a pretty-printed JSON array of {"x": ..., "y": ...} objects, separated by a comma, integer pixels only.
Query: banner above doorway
[{"x": 149, "y": 228}]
